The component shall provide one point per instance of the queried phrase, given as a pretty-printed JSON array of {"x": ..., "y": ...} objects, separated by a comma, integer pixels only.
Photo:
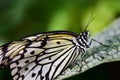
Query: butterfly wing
[{"x": 43, "y": 57}]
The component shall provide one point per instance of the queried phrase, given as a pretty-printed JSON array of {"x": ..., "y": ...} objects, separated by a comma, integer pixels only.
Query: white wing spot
[
  {"x": 13, "y": 65},
  {"x": 16, "y": 58},
  {"x": 14, "y": 71},
  {"x": 45, "y": 69},
  {"x": 15, "y": 77}
]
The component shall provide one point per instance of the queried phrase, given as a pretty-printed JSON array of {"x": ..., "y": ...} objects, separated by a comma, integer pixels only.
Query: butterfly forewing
[{"x": 41, "y": 57}]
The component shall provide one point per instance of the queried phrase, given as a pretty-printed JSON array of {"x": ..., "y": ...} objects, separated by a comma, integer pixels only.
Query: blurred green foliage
[{"x": 19, "y": 18}]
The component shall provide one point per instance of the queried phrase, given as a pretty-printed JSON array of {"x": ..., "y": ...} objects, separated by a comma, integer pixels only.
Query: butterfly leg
[{"x": 98, "y": 43}]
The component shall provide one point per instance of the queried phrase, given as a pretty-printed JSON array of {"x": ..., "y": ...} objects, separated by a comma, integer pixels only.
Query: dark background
[{"x": 19, "y": 18}]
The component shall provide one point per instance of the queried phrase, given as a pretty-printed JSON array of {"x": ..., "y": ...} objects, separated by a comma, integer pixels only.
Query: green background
[{"x": 19, "y": 18}]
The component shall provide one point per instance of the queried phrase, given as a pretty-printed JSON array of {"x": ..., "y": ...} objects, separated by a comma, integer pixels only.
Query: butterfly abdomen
[{"x": 3, "y": 59}]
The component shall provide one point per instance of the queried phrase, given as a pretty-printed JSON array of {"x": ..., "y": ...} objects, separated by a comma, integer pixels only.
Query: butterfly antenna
[{"x": 89, "y": 21}]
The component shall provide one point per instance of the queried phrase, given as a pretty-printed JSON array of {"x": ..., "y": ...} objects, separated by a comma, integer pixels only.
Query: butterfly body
[{"x": 42, "y": 56}]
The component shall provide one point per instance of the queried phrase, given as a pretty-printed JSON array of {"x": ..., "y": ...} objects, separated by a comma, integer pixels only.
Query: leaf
[{"x": 98, "y": 54}]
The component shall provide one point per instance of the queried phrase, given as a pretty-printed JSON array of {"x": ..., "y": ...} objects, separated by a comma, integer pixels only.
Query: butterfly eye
[{"x": 86, "y": 34}]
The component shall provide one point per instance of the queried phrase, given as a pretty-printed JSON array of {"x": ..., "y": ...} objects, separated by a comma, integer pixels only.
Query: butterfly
[{"x": 43, "y": 56}]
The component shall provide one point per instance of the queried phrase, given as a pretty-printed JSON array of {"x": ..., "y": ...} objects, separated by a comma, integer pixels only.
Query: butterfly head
[
  {"x": 86, "y": 34},
  {"x": 83, "y": 39}
]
